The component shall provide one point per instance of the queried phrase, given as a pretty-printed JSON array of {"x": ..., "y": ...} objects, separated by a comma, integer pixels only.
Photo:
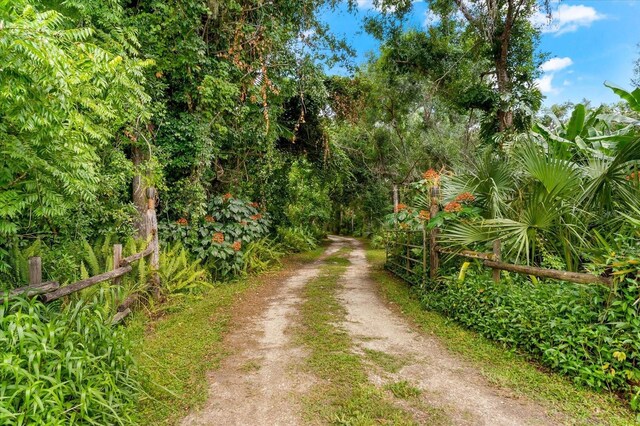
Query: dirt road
[{"x": 260, "y": 383}]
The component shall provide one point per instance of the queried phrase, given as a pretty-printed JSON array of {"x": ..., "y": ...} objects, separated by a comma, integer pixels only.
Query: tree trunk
[
  {"x": 395, "y": 198},
  {"x": 139, "y": 196},
  {"x": 505, "y": 115}
]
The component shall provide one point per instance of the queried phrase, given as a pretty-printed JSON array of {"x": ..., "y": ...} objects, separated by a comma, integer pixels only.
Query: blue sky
[{"x": 588, "y": 42}]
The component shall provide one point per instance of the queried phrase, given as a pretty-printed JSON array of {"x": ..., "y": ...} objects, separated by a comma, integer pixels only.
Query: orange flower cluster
[
  {"x": 453, "y": 207},
  {"x": 209, "y": 219},
  {"x": 633, "y": 176},
  {"x": 431, "y": 175},
  {"x": 256, "y": 217},
  {"x": 424, "y": 215},
  {"x": 218, "y": 238},
  {"x": 465, "y": 197},
  {"x": 243, "y": 222},
  {"x": 255, "y": 205},
  {"x": 227, "y": 196},
  {"x": 182, "y": 221},
  {"x": 400, "y": 207},
  {"x": 236, "y": 246}
]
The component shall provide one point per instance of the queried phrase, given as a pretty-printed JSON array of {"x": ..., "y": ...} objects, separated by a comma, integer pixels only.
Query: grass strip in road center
[{"x": 343, "y": 394}]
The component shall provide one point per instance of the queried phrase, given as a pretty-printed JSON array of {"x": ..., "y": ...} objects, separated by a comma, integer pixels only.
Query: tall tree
[
  {"x": 503, "y": 30},
  {"x": 64, "y": 94}
]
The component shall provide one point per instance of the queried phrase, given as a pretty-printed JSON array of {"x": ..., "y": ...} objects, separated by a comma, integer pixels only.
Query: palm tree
[{"x": 556, "y": 189}]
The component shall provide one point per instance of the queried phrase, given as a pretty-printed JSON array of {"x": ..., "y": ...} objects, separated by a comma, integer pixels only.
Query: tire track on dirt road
[
  {"x": 255, "y": 384},
  {"x": 261, "y": 382}
]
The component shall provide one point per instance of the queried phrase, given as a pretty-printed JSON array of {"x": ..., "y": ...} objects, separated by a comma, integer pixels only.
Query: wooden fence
[
  {"x": 406, "y": 254},
  {"x": 51, "y": 290},
  {"x": 402, "y": 245}
]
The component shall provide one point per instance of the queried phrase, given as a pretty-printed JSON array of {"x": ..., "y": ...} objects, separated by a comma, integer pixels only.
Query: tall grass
[{"x": 63, "y": 366}]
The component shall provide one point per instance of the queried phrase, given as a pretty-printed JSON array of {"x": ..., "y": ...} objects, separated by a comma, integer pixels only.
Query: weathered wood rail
[
  {"x": 490, "y": 260},
  {"x": 49, "y": 291},
  {"x": 493, "y": 260}
]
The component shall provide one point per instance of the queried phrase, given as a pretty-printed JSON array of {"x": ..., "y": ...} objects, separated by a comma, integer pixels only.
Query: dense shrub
[
  {"x": 575, "y": 329},
  {"x": 220, "y": 237},
  {"x": 296, "y": 239},
  {"x": 261, "y": 255},
  {"x": 62, "y": 367}
]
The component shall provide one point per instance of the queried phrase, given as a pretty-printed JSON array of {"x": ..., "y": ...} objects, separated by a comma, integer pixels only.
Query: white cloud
[
  {"x": 556, "y": 64},
  {"x": 550, "y": 68},
  {"x": 308, "y": 34},
  {"x": 368, "y": 4},
  {"x": 545, "y": 84},
  {"x": 566, "y": 18}
]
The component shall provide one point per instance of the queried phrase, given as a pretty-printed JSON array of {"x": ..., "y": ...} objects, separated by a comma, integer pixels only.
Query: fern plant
[{"x": 179, "y": 274}]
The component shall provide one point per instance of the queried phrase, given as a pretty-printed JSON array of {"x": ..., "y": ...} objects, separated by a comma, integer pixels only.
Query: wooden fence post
[
  {"x": 151, "y": 228},
  {"x": 434, "y": 260},
  {"x": 396, "y": 199},
  {"x": 408, "y": 253},
  {"x": 387, "y": 242},
  {"x": 497, "y": 257},
  {"x": 35, "y": 270},
  {"x": 117, "y": 258},
  {"x": 424, "y": 254}
]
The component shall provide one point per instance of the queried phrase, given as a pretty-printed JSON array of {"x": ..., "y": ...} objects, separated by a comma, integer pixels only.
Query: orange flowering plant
[
  {"x": 431, "y": 176},
  {"x": 453, "y": 207},
  {"x": 219, "y": 237},
  {"x": 406, "y": 217},
  {"x": 460, "y": 208}
]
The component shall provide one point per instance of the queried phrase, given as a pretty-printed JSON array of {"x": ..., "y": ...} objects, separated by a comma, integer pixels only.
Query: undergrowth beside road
[
  {"x": 344, "y": 395},
  {"x": 175, "y": 351},
  {"x": 502, "y": 367}
]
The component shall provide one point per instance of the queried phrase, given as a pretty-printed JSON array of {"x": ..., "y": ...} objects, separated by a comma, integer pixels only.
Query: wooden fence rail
[
  {"x": 51, "y": 290},
  {"x": 491, "y": 260}
]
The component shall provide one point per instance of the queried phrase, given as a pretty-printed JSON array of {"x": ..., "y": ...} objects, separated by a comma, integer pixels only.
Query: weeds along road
[{"x": 323, "y": 347}]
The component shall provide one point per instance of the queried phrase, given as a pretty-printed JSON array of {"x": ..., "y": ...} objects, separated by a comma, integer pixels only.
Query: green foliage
[
  {"x": 403, "y": 390},
  {"x": 296, "y": 239},
  {"x": 308, "y": 204},
  {"x": 573, "y": 329},
  {"x": 63, "y": 94},
  {"x": 220, "y": 238},
  {"x": 555, "y": 190},
  {"x": 261, "y": 255},
  {"x": 64, "y": 366},
  {"x": 179, "y": 275}
]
